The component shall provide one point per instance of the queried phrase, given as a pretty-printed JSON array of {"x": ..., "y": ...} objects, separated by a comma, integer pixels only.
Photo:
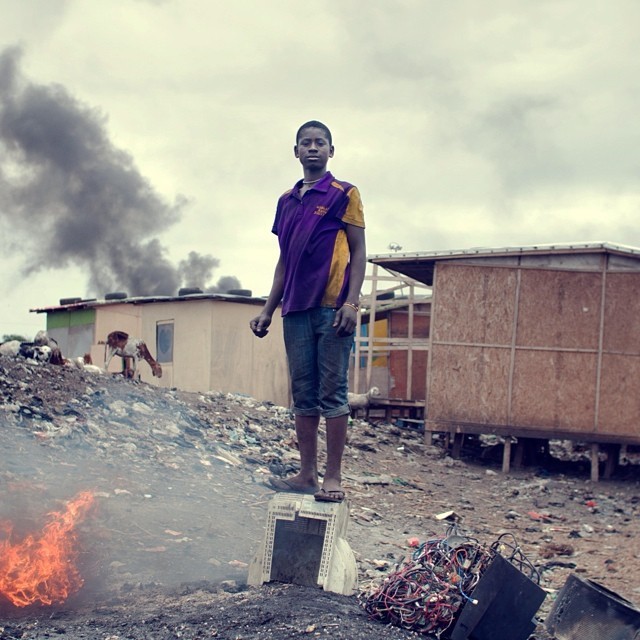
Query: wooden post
[
  {"x": 613, "y": 457},
  {"x": 594, "y": 462},
  {"x": 457, "y": 445},
  {"x": 506, "y": 455},
  {"x": 372, "y": 322},
  {"x": 358, "y": 354},
  {"x": 410, "y": 319},
  {"x": 518, "y": 456}
]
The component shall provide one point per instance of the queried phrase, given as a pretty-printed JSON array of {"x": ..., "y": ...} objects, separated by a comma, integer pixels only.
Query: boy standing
[{"x": 318, "y": 277}]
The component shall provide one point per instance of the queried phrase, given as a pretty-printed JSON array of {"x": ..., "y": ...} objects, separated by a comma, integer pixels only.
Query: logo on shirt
[{"x": 320, "y": 210}]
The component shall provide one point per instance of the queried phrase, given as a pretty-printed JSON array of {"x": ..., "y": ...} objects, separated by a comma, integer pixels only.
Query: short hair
[{"x": 316, "y": 124}]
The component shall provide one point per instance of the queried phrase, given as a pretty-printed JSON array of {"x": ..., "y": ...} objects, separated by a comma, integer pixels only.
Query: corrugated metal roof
[
  {"x": 420, "y": 265},
  {"x": 92, "y": 303}
]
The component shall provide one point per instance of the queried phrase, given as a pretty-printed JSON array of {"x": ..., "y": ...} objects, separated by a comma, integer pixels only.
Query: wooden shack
[{"x": 533, "y": 342}]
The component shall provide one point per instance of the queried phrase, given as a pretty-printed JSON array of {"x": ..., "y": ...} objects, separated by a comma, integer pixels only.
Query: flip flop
[
  {"x": 283, "y": 485},
  {"x": 336, "y": 495}
]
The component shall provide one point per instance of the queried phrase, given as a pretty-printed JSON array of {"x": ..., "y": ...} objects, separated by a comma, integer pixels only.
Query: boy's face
[{"x": 313, "y": 148}]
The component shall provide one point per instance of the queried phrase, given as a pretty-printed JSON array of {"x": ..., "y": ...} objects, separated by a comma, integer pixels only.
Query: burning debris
[
  {"x": 169, "y": 475},
  {"x": 41, "y": 568}
]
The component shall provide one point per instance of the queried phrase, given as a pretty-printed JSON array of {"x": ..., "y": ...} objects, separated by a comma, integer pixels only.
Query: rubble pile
[
  {"x": 178, "y": 479},
  {"x": 164, "y": 465}
]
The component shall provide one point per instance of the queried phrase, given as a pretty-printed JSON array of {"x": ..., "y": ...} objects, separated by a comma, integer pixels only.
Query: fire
[{"x": 41, "y": 568}]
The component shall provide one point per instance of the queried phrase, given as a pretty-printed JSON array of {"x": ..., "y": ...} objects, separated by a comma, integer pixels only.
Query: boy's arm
[
  {"x": 357, "y": 262},
  {"x": 346, "y": 316},
  {"x": 260, "y": 324}
]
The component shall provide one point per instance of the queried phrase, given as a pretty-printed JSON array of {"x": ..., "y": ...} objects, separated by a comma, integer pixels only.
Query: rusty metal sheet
[
  {"x": 398, "y": 365},
  {"x": 398, "y": 360},
  {"x": 559, "y": 309},
  {"x": 474, "y": 305},
  {"x": 554, "y": 389}
]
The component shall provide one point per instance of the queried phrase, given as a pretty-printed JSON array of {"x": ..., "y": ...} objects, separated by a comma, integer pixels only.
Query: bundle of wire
[{"x": 427, "y": 591}]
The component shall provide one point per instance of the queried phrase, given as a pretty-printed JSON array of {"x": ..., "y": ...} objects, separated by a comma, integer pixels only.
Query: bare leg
[
  {"x": 307, "y": 479},
  {"x": 336, "y": 441},
  {"x": 307, "y": 432}
]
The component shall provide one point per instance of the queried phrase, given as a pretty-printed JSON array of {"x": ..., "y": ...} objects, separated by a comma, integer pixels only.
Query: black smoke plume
[{"x": 68, "y": 196}]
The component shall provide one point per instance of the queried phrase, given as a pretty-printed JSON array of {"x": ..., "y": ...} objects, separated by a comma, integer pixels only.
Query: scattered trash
[
  {"x": 238, "y": 564},
  {"x": 550, "y": 550},
  {"x": 72, "y": 416},
  {"x": 380, "y": 479},
  {"x": 449, "y": 516},
  {"x": 543, "y": 517}
]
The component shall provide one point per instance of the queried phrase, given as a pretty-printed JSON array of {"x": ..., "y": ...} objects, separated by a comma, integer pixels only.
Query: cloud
[{"x": 462, "y": 123}]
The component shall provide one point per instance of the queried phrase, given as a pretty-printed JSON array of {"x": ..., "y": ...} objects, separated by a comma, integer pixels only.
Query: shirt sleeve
[{"x": 355, "y": 211}]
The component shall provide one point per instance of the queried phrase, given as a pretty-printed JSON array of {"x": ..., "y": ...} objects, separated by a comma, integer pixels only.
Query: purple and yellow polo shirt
[{"x": 313, "y": 242}]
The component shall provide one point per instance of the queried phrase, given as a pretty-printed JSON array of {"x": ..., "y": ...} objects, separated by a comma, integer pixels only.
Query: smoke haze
[{"x": 68, "y": 196}]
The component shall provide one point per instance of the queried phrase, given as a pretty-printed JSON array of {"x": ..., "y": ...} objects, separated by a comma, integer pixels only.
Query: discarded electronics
[
  {"x": 504, "y": 605},
  {"x": 305, "y": 544},
  {"x": 456, "y": 588},
  {"x": 584, "y": 610}
]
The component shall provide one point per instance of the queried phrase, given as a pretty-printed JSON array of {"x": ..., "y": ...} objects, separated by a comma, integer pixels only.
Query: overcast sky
[{"x": 143, "y": 144}]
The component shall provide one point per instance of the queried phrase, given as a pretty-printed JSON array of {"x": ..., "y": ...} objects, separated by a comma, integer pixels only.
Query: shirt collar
[{"x": 321, "y": 185}]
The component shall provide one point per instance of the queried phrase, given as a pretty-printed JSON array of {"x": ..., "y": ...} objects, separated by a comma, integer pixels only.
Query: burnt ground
[{"x": 180, "y": 509}]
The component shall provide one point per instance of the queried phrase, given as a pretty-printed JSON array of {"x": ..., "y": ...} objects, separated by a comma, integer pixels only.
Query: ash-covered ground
[{"x": 181, "y": 507}]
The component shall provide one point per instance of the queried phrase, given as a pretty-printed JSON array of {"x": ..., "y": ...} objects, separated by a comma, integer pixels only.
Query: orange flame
[{"x": 42, "y": 568}]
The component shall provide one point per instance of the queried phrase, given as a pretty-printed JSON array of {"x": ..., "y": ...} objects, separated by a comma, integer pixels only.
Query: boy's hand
[
  {"x": 259, "y": 325},
  {"x": 345, "y": 320}
]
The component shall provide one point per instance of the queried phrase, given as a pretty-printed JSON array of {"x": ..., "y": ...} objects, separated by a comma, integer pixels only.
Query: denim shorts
[{"x": 318, "y": 363}]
